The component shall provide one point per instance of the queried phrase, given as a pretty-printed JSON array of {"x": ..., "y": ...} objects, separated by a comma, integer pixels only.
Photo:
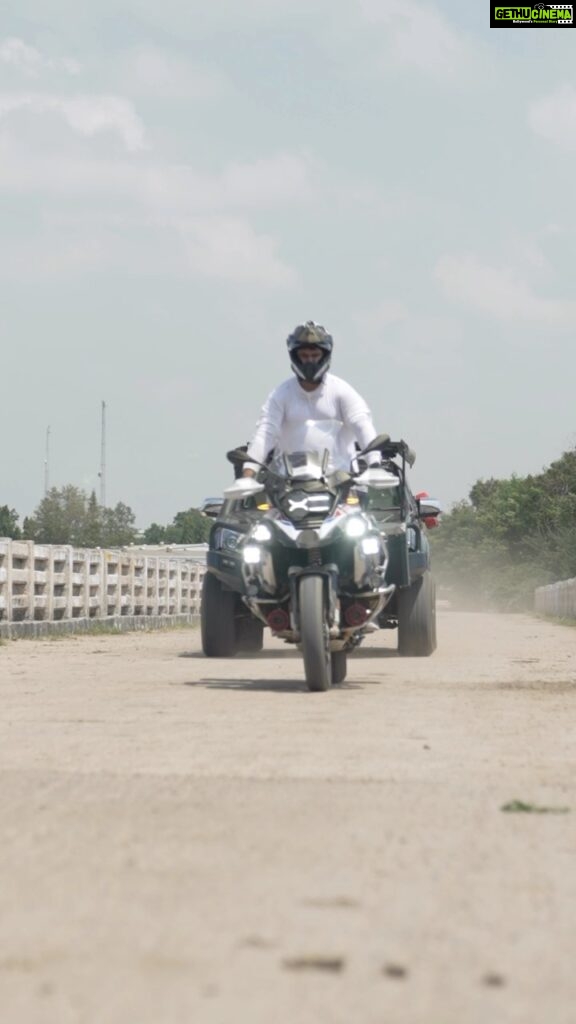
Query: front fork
[{"x": 330, "y": 576}]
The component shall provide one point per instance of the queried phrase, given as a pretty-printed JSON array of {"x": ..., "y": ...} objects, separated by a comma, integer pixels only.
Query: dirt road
[{"x": 186, "y": 840}]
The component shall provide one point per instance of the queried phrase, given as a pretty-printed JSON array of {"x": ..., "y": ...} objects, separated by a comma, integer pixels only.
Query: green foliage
[
  {"x": 118, "y": 526},
  {"x": 190, "y": 527},
  {"x": 67, "y": 515},
  {"x": 154, "y": 534},
  {"x": 521, "y": 807},
  {"x": 510, "y": 537},
  {"x": 9, "y": 523}
]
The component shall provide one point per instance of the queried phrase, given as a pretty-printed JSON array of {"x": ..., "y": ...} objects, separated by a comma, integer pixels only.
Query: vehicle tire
[
  {"x": 217, "y": 619},
  {"x": 417, "y": 618},
  {"x": 339, "y": 667},
  {"x": 314, "y": 634},
  {"x": 249, "y": 635}
]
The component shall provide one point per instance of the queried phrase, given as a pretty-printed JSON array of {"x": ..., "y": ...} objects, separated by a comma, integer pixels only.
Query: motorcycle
[{"x": 297, "y": 551}]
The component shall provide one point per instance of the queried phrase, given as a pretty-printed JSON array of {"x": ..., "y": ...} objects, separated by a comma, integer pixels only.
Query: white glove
[
  {"x": 377, "y": 477},
  {"x": 243, "y": 488}
]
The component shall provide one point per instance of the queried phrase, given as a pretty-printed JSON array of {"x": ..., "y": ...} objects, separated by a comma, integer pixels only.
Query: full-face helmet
[{"x": 310, "y": 335}]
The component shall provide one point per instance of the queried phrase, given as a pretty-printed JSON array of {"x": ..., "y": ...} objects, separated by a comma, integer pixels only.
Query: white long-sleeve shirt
[{"x": 290, "y": 414}]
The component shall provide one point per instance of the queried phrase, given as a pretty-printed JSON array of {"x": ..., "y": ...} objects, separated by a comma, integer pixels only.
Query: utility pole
[
  {"x": 47, "y": 463},
  {"x": 102, "y": 473}
]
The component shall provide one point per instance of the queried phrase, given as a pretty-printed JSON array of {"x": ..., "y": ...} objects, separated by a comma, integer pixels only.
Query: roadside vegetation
[
  {"x": 68, "y": 515},
  {"x": 490, "y": 551},
  {"x": 509, "y": 537}
]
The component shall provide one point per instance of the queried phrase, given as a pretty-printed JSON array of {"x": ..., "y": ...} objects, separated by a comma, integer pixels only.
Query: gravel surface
[{"x": 193, "y": 840}]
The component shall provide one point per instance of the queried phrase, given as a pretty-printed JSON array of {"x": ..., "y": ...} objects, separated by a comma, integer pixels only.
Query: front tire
[
  {"x": 217, "y": 619},
  {"x": 417, "y": 618},
  {"x": 314, "y": 634}
]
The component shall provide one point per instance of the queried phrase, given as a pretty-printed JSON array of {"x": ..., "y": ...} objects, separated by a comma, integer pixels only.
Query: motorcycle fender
[{"x": 329, "y": 573}]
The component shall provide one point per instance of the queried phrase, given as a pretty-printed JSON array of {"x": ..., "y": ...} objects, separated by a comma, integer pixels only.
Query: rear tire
[
  {"x": 217, "y": 619},
  {"x": 339, "y": 667},
  {"x": 417, "y": 618},
  {"x": 249, "y": 635},
  {"x": 314, "y": 634}
]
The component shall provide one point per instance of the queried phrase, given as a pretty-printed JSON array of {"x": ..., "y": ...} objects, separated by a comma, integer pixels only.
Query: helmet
[{"x": 314, "y": 335}]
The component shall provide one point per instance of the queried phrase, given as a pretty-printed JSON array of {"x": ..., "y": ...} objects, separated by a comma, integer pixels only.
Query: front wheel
[
  {"x": 417, "y": 618},
  {"x": 314, "y": 634}
]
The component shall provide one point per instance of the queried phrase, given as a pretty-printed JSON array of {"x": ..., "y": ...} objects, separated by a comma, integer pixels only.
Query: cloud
[
  {"x": 282, "y": 179},
  {"x": 419, "y": 36},
  {"x": 268, "y": 181},
  {"x": 96, "y": 215},
  {"x": 229, "y": 249},
  {"x": 374, "y": 321},
  {"x": 410, "y": 336},
  {"x": 499, "y": 292},
  {"x": 226, "y": 249},
  {"x": 553, "y": 117},
  {"x": 86, "y": 115},
  {"x": 31, "y": 62},
  {"x": 259, "y": 184},
  {"x": 149, "y": 71}
]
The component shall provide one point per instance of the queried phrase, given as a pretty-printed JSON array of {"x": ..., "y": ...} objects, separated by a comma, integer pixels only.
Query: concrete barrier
[
  {"x": 557, "y": 600},
  {"x": 47, "y": 583}
]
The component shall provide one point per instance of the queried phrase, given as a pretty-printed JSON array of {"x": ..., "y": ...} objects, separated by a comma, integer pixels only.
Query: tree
[
  {"x": 67, "y": 515},
  {"x": 155, "y": 534},
  {"x": 59, "y": 518},
  {"x": 93, "y": 525},
  {"x": 9, "y": 523},
  {"x": 510, "y": 537},
  {"x": 118, "y": 526},
  {"x": 189, "y": 527}
]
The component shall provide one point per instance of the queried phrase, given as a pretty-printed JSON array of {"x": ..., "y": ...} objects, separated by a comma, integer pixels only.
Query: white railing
[
  {"x": 58, "y": 583},
  {"x": 557, "y": 600}
]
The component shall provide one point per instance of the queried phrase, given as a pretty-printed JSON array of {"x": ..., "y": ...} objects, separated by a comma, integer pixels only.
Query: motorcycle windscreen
[
  {"x": 313, "y": 448},
  {"x": 305, "y": 465}
]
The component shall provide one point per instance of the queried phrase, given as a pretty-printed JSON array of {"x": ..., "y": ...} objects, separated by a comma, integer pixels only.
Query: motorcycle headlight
[
  {"x": 262, "y": 532},
  {"x": 370, "y": 545},
  {"x": 355, "y": 527},
  {"x": 252, "y": 554}
]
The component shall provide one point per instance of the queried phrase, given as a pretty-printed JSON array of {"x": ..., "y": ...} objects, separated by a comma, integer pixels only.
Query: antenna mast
[
  {"x": 47, "y": 463},
  {"x": 102, "y": 473}
]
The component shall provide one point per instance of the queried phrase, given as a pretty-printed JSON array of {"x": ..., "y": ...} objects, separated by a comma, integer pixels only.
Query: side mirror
[
  {"x": 389, "y": 449},
  {"x": 428, "y": 511},
  {"x": 238, "y": 455},
  {"x": 244, "y": 487},
  {"x": 379, "y": 441},
  {"x": 211, "y": 507}
]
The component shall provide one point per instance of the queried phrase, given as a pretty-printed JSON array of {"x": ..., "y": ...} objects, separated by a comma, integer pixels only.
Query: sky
[{"x": 182, "y": 184}]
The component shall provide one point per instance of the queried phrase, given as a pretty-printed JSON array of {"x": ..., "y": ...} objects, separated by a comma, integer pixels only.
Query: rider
[{"x": 315, "y": 395}]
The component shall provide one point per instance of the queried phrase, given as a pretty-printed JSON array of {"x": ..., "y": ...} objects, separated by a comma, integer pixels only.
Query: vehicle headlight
[
  {"x": 252, "y": 554},
  {"x": 355, "y": 527},
  {"x": 370, "y": 545},
  {"x": 262, "y": 532},
  {"x": 228, "y": 540}
]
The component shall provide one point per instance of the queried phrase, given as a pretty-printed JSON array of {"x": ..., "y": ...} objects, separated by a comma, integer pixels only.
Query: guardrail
[
  {"x": 47, "y": 583},
  {"x": 557, "y": 600}
]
